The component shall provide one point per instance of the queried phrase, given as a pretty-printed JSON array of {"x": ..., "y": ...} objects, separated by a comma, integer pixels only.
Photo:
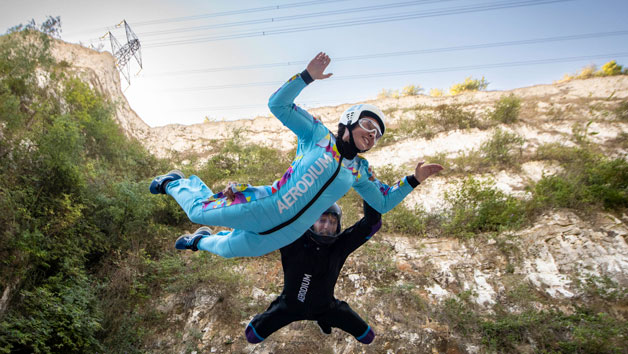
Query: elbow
[
  {"x": 381, "y": 208},
  {"x": 277, "y": 108}
]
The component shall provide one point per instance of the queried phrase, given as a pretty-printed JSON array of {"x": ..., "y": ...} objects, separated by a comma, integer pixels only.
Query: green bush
[
  {"x": 503, "y": 148},
  {"x": 59, "y": 315},
  {"x": 404, "y": 220},
  {"x": 478, "y": 207},
  {"x": 75, "y": 205},
  {"x": 458, "y": 312},
  {"x": 506, "y": 109},
  {"x": 454, "y": 117},
  {"x": 244, "y": 163},
  {"x": 587, "y": 179}
]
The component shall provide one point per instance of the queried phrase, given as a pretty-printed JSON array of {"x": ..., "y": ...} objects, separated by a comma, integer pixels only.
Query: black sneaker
[
  {"x": 189, "y": 242},
  {"x": 159, "y": 182}
]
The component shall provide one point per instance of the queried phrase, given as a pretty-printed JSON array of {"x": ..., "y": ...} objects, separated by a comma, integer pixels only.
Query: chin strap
[{"x": 346, "y": 148}]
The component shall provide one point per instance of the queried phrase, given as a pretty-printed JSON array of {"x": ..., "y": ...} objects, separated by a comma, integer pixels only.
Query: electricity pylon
[{"x": 123, "y": 53}]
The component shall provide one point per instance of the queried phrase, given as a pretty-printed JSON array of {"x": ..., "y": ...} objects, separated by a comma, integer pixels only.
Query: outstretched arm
[
  {"x": 383, "y": 197},
  {"x": 282, "y": 105}
]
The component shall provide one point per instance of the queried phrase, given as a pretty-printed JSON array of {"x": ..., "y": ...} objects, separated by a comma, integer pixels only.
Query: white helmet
[{"x": 351, "y": 115}]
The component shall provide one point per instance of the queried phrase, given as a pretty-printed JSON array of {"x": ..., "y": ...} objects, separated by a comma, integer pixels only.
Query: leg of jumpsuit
[
  {"x": 267, "y": 323},
  {"x": 191, "y": 194},
  {"x": 343, "y": 317},
  {"x": 247, "y": 219}
]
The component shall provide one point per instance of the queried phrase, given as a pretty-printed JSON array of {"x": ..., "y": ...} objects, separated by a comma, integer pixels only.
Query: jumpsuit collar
[{"x": 346, "y": 148}]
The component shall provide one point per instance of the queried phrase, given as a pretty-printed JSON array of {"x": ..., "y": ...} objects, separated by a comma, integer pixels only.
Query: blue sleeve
[
  {"x": 378, "y": 194},
  {"x": 282, "y": 106}
]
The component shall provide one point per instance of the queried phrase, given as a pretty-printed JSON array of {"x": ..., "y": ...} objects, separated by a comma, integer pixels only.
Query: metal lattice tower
[{"x": 123, "y": 53}]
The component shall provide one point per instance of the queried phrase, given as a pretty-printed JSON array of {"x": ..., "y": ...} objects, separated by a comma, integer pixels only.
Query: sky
[{"x": 221, "y": 60}]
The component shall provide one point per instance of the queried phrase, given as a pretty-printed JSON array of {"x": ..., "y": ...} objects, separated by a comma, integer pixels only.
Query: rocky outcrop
[{"x": 98, "y": 69}]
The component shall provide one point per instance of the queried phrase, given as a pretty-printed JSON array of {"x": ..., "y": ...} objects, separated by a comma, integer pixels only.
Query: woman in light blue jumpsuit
[{"x": 267, "y": 218}]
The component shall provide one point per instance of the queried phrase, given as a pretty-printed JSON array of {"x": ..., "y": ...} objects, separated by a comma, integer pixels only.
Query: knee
[
  {"x": 195, "y": 217},
  {"x": 251, "y": 335}
]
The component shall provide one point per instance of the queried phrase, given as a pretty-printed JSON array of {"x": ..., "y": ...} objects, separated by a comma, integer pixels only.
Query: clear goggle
[{"x": 371, "y": 127}]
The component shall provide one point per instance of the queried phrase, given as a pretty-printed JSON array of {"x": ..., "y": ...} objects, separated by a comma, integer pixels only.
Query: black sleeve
[
  {"x": 412, "y": 181},
  {"x": 360, "y": 232},
  {"x": 305, "y": 75},
  {"x": 371, "y": 215}
]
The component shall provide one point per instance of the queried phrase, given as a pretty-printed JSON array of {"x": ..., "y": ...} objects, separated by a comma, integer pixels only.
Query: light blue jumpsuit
[{"x": 260, "y": 209}]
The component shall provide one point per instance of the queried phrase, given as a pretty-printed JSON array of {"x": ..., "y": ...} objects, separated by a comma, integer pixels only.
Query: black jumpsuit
[{"x": 310, "y": 274}]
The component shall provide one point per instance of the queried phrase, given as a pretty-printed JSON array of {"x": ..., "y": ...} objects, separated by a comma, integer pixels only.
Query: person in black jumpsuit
[{"x": 311, "y": 266}]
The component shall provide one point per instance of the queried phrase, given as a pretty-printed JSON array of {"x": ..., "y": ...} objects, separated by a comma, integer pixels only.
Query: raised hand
[
  {"x": 316, "y": 67},
  {"x": 423, "y": 171}
]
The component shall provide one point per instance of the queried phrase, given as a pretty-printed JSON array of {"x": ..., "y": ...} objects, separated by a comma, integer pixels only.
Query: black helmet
[{"x": 328, "y": 239}]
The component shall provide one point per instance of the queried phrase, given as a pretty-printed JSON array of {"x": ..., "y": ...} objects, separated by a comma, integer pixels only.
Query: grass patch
[
  {"x": 458, "y": 312},
  {"x": 377, "y": 262},
  {"x": 585, "y": 331},
  {"x": 621, "y": 112}
]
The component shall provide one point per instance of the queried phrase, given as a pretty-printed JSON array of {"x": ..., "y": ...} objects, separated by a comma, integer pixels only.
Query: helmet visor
[{"x": 371, "y": 127}]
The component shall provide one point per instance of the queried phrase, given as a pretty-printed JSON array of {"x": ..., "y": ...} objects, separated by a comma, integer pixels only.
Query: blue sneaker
[
  {"x": 189, "y": 242},
  {"x": 158, "y": 185}
]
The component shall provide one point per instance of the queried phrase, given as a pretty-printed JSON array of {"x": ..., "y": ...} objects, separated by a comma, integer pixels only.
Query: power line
[
  {"x": 362, "y": 21},
  {"x": 236, "y": 12},
  {"x": 413, "y": 72},
  {"x": 402, "y": 53},
  {"x": 294, "y": 17},
  {"x": 219, "y": 14}
]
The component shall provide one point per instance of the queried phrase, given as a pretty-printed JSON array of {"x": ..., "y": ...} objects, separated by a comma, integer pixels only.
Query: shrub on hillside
[
  {"x": 454, "y": 117},
  {"x": 503, "y": 148},
  {"x": 584, "y": 331},
  {"x": 244, "y": 163},
  {"x": 477, "y": 207},
  {"x": 411, "y": 90},
  {"x": 387, "y": 93},
  {"x": 436, "y": 92},
  {"x": 469, "y": 84},
  {"x": 588, "y": 179},
  {"x": 611, "y": 68},
  {"x": 506, "y": 110}
]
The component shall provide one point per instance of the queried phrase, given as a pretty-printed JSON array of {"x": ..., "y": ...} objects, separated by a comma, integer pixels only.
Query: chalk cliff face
[
  {"x": 553, "y": 258},
  {"x": 99, "y": 71}
]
